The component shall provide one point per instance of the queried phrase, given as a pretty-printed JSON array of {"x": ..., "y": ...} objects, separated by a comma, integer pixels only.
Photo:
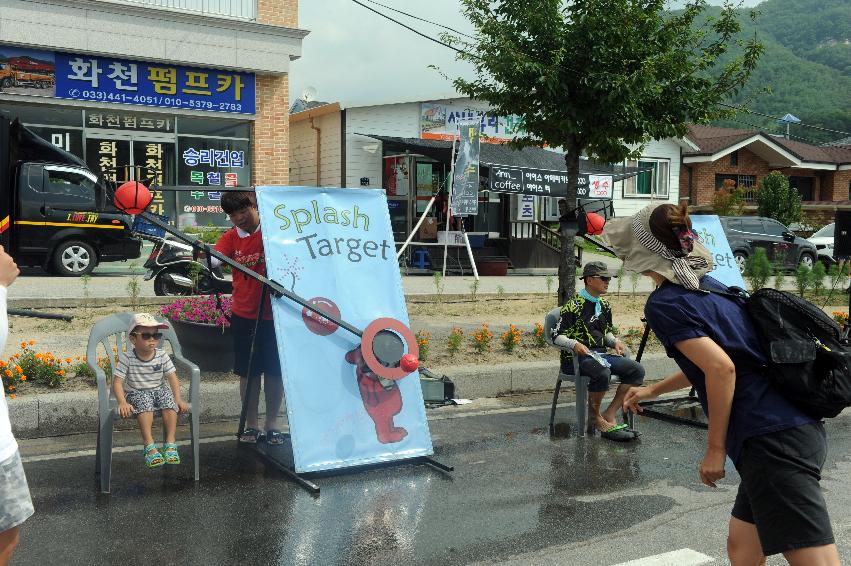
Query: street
[{"x": 516, "y": 496}]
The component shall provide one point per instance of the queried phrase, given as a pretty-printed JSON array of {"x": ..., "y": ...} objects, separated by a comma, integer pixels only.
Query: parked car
[
  {"x": 823, "y": 241},
  {"x": 746, "y": 233}
]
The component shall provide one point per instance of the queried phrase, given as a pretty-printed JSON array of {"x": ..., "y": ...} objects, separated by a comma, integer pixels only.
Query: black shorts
[
  {"x": 780, "y": 490},
  {"x": 266, "y": 360}
]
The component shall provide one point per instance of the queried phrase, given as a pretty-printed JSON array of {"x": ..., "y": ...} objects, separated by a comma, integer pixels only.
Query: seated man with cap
[{"x": 586, "y": 328}]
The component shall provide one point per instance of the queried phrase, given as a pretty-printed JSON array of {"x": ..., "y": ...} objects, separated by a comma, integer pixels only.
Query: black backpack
[{"x": 809, "y": 361}]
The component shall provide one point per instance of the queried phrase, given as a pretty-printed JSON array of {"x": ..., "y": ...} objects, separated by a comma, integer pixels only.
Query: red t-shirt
[{"x": 247, "y": 251}]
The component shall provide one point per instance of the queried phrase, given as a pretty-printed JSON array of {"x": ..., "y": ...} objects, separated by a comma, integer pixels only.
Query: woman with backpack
[{"x": 777, "y": 449}]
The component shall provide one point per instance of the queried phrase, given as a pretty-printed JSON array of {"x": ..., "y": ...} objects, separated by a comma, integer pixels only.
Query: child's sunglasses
[{"x": 148, "y": 335}]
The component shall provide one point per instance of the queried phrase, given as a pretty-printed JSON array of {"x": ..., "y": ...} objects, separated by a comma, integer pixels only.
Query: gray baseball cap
[{"x": 596, "y": 269}]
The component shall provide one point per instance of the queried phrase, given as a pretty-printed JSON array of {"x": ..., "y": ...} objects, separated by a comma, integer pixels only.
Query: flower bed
[{"x": 203, "y": 330}]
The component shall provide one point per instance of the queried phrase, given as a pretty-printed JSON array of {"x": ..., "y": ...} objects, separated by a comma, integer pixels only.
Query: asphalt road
[{"x": 517, "y": 496}]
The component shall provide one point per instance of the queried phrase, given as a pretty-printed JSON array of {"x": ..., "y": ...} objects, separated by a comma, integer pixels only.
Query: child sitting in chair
[{"x": 139, "y": 384}]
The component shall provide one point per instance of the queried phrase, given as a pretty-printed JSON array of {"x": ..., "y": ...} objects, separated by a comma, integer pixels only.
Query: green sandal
[
  {"x": 153, "y": 458},
  {"x": 171, "y": 455}
]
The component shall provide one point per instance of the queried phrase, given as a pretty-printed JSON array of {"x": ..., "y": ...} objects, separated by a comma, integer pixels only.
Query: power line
[
  {"x": 392, "y": 9},
  {"x": 409, "y": 28},
  {"x": 748, "y": 110}
]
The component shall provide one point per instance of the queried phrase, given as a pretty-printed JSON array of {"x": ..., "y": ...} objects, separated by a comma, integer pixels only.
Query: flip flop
[
  {"x": 619, "y": 433},
  {"x": 274, "y": 437},
  {"x": 251, "y": 436}
]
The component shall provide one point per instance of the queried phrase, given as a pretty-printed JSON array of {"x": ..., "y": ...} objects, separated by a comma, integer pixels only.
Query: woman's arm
[
  {"x": 720, "y": 375},
  {"x": 636, "y": 395}
]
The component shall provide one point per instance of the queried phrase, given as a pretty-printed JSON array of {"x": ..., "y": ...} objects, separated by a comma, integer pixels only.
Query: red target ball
[
  {"x": 594, "y": 223},
  {"x": 409, "y": 363},
  {"x": 132, "y": 197},
  {"x": 317, "y": 323}
]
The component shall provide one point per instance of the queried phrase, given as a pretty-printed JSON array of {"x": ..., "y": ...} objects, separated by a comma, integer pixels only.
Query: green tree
[
  {"x": 600, "y": 77},
  {"x": 777, "y": 200}
]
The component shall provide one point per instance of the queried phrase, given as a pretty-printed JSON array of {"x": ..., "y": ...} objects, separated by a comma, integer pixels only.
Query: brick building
[
  {"x": 822, "y": 174},
  {"x": 194, "y": 93}
]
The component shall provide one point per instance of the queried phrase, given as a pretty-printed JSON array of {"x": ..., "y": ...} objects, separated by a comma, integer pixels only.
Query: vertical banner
[
  {"x": 335, "y": 248},
  {"x": 708, "y": 228},
  {"x": 465, "y": 180}
]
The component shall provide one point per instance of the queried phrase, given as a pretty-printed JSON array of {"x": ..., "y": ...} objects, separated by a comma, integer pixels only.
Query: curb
[{"x": 55, "y": 414}]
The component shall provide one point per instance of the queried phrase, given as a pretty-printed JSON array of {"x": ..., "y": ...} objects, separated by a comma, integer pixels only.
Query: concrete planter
[{"x": 205, "y": 344}]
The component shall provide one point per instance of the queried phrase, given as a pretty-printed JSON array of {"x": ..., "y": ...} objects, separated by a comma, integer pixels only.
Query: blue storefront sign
[{"x": 101, "y": 79}]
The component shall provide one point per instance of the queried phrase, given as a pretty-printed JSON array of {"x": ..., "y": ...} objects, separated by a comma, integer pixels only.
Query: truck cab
[{"x": 58, "y": 214}]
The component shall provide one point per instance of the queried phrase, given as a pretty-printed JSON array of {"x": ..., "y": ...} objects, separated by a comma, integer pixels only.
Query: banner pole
[
  {"x": 449, "y": 190},
  {"x": 417, "y": 227},
  {"x": 469, "y": 251}
]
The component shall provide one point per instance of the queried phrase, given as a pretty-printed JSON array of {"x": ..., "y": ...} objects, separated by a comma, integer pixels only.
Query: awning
[{"x": 501, "y": 154}]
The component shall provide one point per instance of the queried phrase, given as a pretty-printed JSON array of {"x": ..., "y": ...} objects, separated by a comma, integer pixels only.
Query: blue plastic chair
[{"x": 109, "y": 333}]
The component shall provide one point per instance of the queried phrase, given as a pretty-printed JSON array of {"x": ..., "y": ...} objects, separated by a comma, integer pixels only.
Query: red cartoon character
[{"x": 381, "y": 399}]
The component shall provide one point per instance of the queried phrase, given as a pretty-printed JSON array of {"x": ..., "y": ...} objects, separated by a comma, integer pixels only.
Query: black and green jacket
[{"x": 579, "y": 322}]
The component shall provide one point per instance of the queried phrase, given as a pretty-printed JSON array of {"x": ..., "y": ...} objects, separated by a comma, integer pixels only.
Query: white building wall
[{"x": 656, "y": 149}]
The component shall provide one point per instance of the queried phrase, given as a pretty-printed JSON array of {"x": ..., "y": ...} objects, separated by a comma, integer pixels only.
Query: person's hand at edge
[
  {"x": 8, "y": 269},
  {"x": 125, "y": 409},
  {"x": 620, "y": 348}
]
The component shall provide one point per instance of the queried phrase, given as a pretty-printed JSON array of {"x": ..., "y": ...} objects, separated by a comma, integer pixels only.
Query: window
[
  {"x": 745, "y": 183},
  {"x": 752, "y": 226},
  {"x": 652, "y": 182},
  {"x": 69, "y": 189},
  {"x": 734, "y": 159},
  {"x": 774, "y": 228}
]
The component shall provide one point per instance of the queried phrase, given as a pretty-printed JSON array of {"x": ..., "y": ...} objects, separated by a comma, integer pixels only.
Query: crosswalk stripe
[{"x": 681, "y": 557}]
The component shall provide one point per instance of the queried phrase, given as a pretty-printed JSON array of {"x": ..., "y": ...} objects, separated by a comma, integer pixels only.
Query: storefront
[{"x": 131, "y": 140}]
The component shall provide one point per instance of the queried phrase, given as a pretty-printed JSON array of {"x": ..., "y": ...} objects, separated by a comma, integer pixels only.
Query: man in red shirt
[{"x": 244, "y": 244}]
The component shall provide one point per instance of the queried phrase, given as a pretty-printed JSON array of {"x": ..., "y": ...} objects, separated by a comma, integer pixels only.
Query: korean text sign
[
  {"x": 101, "y": 79},
  {"x": 465, "y": 179},
  {"x": 335, "y": 248}
]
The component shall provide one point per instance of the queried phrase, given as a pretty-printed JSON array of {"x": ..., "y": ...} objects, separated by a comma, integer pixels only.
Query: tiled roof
[{"x": 711, "y": 139}]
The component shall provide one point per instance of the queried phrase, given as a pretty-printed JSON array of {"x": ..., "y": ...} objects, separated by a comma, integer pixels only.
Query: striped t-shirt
[{"x": 138, "y": 374}]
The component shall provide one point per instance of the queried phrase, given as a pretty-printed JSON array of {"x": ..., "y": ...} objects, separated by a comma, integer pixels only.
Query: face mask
[{"x": 686, "y": 237}]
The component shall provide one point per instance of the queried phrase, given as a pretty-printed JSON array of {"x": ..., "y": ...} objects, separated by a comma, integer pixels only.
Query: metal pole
[
  {"x": 449, "y": 190},
  {"x": 417, "y": 227}
]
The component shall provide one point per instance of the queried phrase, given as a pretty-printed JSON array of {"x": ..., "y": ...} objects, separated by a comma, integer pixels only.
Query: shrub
[
  {"x": 757, "y": 269},
  {"x": 818, "y": 278},
  {"x": 456, "y": 338},
  {"x": 203, "y": 310},
  {"x": 779, "y": 276},
  {"x": 510, "y": 338},
  {"x": 840, "y": 317},
  {"x": 728, "y": 201},
  {"x": 481, "y": 339},
  {"x": 803, "y": 279},
  {"x": 776, "y": 199},
  {"x": 423, "y": 340}
]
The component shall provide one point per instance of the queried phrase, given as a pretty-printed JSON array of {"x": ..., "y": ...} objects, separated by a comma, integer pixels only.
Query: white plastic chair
[
  {"x": 580, "y": 381},
  {"x": 112, "y": 332}
]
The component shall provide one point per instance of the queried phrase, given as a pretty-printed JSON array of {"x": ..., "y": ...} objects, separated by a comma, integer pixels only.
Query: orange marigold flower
[
  {"x": 19, "y": 369},
  {"x": 12, "y": 396},
  {"x": 68, "y": 360},
  {"x": 8, "y": 373},
  {"x": 3, "y": 364},
  {"x": 31, "y": 342},
  {"x": 23, "y": 378},
  {"x": 62, "y": 372},
  {"x": 23, "y": 344}
]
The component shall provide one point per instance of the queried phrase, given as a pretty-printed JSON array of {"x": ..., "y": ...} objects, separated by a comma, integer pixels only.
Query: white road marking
[{"x": 681, "y": 557}]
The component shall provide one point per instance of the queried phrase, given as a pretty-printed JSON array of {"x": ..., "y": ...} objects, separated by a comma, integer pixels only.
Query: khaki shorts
[{"x": 15, "y": 503}]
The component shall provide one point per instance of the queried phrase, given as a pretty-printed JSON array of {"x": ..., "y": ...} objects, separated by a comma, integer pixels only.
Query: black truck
[{"x": 54, "y": 212}]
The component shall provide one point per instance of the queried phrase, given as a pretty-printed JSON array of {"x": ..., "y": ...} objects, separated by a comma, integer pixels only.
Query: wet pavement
[{"x": 516, "y": 495}]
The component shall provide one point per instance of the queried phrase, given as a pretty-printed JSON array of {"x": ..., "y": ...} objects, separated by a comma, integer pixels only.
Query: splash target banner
[{"x": 335, "y": 248}]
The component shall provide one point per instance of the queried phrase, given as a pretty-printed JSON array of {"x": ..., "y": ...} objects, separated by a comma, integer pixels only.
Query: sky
[{"x": 354, "y": 56}]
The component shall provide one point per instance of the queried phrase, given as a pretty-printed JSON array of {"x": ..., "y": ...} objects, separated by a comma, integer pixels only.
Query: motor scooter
[{"x": 179, "y": 269}]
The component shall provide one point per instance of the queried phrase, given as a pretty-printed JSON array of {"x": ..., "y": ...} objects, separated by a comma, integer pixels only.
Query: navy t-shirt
[{"x": 676, "y": 314}]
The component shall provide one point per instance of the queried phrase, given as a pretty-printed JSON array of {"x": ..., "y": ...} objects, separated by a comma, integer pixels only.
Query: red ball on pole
[
  {"x": 595, "y": 223},
  {"x": 409, "y": 363},
  {"x": 132, "y": 197}
]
